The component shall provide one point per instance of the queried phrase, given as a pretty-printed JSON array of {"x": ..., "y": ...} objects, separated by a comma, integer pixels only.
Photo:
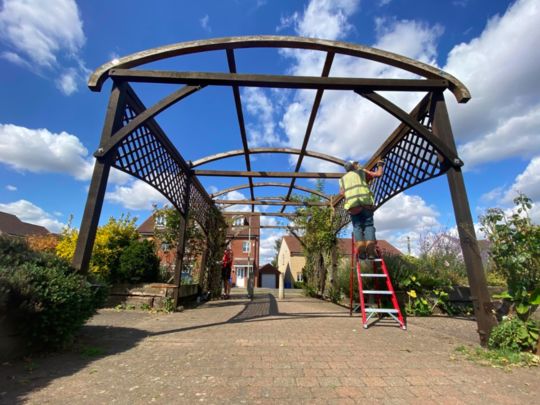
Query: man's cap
[{"x": 349, "y": 165}]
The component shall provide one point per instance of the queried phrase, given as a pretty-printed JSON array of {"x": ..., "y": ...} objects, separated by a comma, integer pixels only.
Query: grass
[
  {"x": 91, "y": 351},
  {"x": 498, "y": 358}
]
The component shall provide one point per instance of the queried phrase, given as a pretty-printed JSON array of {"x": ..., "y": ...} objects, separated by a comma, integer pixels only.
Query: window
[
  {"x": 160, "y": 221},
  {"x": 164, "y": 247},
  {"x": 238, "y": 221},
  {"x": 299, "y": 277},
  {"x": 246, "y": 247}
]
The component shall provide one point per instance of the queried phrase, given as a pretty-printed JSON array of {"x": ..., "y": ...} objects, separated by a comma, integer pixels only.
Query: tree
[
  {"x": 515, "y": 251},
  {"x": 138, "y": 262},
  {"x": 111, "y": 239},
  {"x": 277, "y": 247},
  {"x": 167, "y": 228},
  {"x": 319, "y": 241}
]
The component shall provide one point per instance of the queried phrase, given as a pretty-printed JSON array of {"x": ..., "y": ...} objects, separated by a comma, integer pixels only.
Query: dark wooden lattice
[
  {"x": 144, "y": 156},
  {"x": 410, "y": 161}
]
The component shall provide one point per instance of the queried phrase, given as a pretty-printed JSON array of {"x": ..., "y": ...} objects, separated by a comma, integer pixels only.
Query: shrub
[
  {"x": 138, "y": 263},
  {"x": 514, "y": 335},
  {"x": 111, "y": 240},
  {"x": 47, "y": 300}
]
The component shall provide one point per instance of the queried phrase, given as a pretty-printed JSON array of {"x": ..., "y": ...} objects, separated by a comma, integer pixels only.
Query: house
[
  {"x": 268, "y": 276},
  {"x": 291, "y": 258},
  {"x": 10, "y": 225},
  {"x": 166, "y": 256},
  {"x": 243, "y": 237}
]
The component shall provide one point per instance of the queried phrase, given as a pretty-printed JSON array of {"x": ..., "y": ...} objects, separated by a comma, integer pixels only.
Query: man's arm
[{"x": 378, "y": 172}]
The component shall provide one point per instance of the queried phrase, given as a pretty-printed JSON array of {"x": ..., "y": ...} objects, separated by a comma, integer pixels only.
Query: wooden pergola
[{"x": 420, "y": 148}]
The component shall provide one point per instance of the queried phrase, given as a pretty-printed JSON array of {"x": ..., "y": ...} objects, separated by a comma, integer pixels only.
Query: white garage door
[{"x": 268, "y": 281}]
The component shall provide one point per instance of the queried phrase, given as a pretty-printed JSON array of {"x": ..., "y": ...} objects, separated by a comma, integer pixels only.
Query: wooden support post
[
  {"x": 96, "y": 193},
  {"x": 483, "y": 308},
  {"x": 179, "y": 264}
]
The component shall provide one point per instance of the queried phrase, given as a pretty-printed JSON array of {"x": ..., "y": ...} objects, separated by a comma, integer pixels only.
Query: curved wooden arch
[
  {"x": 101, "y": 74},
  {"x": 291, "y": 151},
  {"x": 269, "y": 184}
]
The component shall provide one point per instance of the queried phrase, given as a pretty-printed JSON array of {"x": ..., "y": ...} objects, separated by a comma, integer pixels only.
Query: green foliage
[
  {"x": 168, "y": 224},
  {"x": 277, "y": 246},
  {"x": 168, "y": 305},
  {"x": 514, "y": 335},
  {"x": 319, "y": 238},
  {"x": 138, "y": 263},
  {"x": 111, "y": 240},
  {"x": 515, "y": 252},
  {"x": 41, "y": 291},
  {"x": 498, "y": 358},
  {"x": 400, "y": 269}
]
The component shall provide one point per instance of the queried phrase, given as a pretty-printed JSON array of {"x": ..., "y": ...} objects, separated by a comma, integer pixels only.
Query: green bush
[
  {"x": 514, "y": 335},
  {"x": 48, "y": 301},
  {"x": 138, "y": 263}
]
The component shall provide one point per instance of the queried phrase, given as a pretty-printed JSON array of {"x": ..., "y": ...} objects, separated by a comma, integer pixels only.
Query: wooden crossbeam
[
  {"x": 233, "y": 173},
  {"x": 278, "y": 81},
  {"x": 257, "y": 202}
]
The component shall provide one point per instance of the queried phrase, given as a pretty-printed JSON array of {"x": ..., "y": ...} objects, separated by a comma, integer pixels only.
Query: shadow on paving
[{"x": 20, "y": 378}]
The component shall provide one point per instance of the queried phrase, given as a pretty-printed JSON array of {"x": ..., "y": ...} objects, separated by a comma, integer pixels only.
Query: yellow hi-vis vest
[{"x": 356, "y": 189}]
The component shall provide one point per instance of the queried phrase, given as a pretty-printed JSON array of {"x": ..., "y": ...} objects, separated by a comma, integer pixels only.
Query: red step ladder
[{"x": 379, "y": 272}]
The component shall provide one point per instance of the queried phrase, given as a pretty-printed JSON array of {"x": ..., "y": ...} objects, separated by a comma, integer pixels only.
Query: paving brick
[{"x": 216, "y": 354}]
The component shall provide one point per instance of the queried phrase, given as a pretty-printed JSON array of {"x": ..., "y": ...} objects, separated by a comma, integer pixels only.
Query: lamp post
[{"x": 250, "y": 268}]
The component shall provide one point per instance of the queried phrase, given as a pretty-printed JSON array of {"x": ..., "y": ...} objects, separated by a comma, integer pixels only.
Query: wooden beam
[
  {"x": 269, "y": 184},
  {"x": 251, "y": 151},
  {"x": 278, "y": 81},
  {"x": 301, "y": 175},
  {"x": 286, "y": 203},
  {"x": 262, "y": 214}
]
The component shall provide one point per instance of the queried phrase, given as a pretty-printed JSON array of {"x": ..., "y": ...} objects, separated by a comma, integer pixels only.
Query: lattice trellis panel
[
  {"x": 411, "y": 161},
  {"x": 144, "y": 156}
]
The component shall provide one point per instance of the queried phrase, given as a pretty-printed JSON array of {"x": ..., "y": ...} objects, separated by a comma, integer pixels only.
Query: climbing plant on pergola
[{"x": 420, "y": 148}]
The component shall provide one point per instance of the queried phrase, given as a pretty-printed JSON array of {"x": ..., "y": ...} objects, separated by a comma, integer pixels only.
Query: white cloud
[
  {"x": 406, "y": 218},
  {"x": 39, "y": 150},
  {"x": 9, "y": 187},
  {"x": 136, "y": 196},
  {"x": 261, "y": 128},
  {"x": 519, "y": 134},
  {"x": 527, "y": 183},
  {"x": 342, "y": 116},
  {"x": 326, "y": 18},
  {"x": 28, "y": 212},
  {"x": 43, "y": 151},
  {"x": 67, "y": 82},
  {"x": 205, "y": 23},
  {"x": 267, "y": 244},
  {"x": 44, "y": 35},
  {"x": 500, "y": 67}
]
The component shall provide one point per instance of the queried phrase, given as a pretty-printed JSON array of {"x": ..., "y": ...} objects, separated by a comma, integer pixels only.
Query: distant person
[
  {"x": 226, "y": 263},
  {"x": 359, "y": 202}
]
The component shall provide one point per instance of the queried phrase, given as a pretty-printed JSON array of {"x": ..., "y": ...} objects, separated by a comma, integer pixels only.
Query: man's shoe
[
  {"x": 371, "y": 250},
  {"x": 360, "y": 250}
]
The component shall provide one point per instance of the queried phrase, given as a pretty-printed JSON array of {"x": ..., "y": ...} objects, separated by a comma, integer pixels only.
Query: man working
[{"x": 359, "y": 202}]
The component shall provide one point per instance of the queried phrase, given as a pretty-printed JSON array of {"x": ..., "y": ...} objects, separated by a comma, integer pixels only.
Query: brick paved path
[{"x": 298, "y": 350}]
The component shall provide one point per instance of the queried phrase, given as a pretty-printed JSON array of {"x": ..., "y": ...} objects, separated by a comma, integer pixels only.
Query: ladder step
[
  {"x": 382, "y": 310},
  {"x": 372, "y": 260},
  {"x": 377, "y": 292},
  {"x": 373, "y": 275}
]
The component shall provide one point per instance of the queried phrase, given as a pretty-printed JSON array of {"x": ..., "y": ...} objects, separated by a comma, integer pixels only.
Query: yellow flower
[{"x": 412, "y": 293}]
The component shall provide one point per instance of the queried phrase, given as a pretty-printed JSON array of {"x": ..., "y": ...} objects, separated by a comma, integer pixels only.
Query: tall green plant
[
  {"x": 319, "y": 238},
  {"x": 515, "y": 252}
]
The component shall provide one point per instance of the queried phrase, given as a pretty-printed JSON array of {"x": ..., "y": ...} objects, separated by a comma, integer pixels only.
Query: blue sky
[{"x": 50, "y": 123}]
